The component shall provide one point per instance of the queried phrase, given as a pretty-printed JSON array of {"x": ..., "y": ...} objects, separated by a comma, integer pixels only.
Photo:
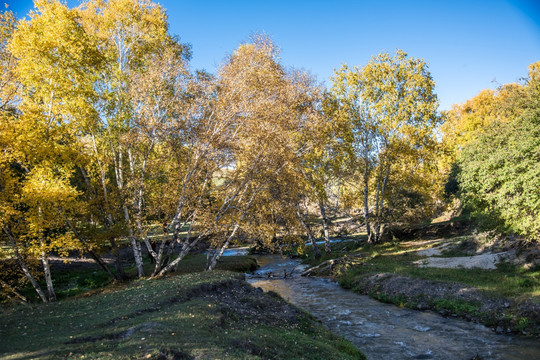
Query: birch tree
[
  {"x": 273, "y": 110},
  {"x": 324, "y": 163},
  {"x": 248, "y": 137},
  {"x": 127, "y": 31},
  {"x": 391, "y": 110},
  {"x": 53, "y": 58}
]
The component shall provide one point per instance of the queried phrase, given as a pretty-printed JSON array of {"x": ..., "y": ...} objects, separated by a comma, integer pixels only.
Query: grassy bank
[
  {"x": 506, "y": 298},
  {"x": 506, "y": 280},
  {"x": 191, "y": 316},
  {"x": 72, "y": 280}
]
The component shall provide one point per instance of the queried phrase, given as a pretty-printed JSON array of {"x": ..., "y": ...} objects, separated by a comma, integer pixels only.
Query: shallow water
[
  {"x": 384, "y": 331},
  {"x": 234, "y": 251}
]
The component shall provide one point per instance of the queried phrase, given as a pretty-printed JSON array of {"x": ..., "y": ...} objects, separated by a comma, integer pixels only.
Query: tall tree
[
  {"x": 54, "y": 58},
  {"x": 390, "y": 109},
  {"x": 129, "y": 34},
  {"x": 8, "y": 83}
]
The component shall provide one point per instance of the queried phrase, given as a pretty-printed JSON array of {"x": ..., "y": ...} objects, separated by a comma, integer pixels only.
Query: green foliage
[
  {"x": 500, "y": 172},
  {"x": 456, "y": 306},
  {"x": 495, "y": 139}
]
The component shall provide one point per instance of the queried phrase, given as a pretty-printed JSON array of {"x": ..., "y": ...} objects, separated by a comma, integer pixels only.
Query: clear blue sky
[{"x": 467, "y": 44}]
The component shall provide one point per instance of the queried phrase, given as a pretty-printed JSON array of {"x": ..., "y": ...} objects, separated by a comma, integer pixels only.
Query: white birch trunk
[
  {"x": 311, "y": 239},
  {"x": 327, "y": 248},
  {"x": 48, "y": 277},
  {"x": 366, "y": 204},
  {"x": 217, "y": 255},
  {"x": 24, "y": 267},
  {"x": 185, "y": 250}
]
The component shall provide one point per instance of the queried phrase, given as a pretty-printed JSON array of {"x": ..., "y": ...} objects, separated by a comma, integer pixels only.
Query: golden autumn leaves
[{"x": 110, "y": 134}]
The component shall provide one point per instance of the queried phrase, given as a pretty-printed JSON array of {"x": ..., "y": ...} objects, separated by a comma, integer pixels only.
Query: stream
[{"x": 384, "y": 331}]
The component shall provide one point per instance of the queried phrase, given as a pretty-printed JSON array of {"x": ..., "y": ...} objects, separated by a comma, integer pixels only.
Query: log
[{"x": 329, "y": 264}]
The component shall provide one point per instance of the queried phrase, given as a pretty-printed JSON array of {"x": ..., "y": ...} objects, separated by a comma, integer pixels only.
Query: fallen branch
[
  {"x": 329, "y": 264},
  {"x": 22, "y": 299}
]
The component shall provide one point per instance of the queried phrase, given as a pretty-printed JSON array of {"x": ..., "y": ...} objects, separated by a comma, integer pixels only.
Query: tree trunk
[
  {"x": 316, "y": 252},
  {"x": 377, "y": 219},
  {"x": 95, "y": 256},
  {"x": 366, "y": 204},
  {"x": 380, "y": 222},
  {"x": 137, "y": 254},
  {"x": 135, "y": 244},
  {"x": 382, "y": 228},
  {"x": 159, "y": 257},
  {"x": 327, "y": 248},
  {"x": 103, "y": 179},
  {"x": 118, "y": 265},
  {"x": 15, "y": 292},
  {"x": 338, "y": 195},
  {"x": 23, "y": 266},
  {"x": 108, "y": 221},
  {"x": 150, "y": 249},
  {"x": 181, "y": 255},
  {"x": 47, "y": 272},
  {"x": 102, "y": 264},
  {"x": 218, "y": 254},
  {"x": 33, "y": 281},
  {"x": 139, "y": 199}
]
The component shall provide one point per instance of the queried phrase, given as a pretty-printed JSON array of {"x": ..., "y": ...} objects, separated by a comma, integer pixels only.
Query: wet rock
[
  {"x": 422, "y": 328},
  {"x": 444, "y": 312}
]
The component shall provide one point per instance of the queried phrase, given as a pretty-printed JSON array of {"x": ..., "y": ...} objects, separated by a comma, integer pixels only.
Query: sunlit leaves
[
  {"x": 388, "y": 110},
  {"x": 499, "y": 167}
]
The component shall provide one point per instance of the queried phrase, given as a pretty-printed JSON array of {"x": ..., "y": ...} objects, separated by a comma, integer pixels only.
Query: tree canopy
[
  {"x": 498, "y": 170},
  {"x": 389, "y": 112},
  {"x": 110, "y": 141}
]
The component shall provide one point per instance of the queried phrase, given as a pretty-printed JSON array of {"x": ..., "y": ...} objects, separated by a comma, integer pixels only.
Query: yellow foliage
[{"x": 466, "y": 121}]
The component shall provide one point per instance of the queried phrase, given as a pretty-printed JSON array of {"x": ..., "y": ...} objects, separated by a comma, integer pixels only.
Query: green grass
[
  {"x": 153, "y": 318},
  {"x": 76, "y": 282},
  {"x": 72, "y": 282},
  {"x": 197, "y": 263},
  {"x": 506, "y": 280}
]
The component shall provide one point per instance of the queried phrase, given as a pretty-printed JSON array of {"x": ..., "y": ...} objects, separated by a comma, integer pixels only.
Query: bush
[{"x": 500, "y": 172}]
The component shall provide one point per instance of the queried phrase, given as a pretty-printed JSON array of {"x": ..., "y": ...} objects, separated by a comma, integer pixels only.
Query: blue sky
[{"x": 469, "y": 45}]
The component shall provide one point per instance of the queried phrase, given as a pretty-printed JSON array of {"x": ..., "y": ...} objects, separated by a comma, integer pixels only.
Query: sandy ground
[{"x": 484, "y": 261}]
